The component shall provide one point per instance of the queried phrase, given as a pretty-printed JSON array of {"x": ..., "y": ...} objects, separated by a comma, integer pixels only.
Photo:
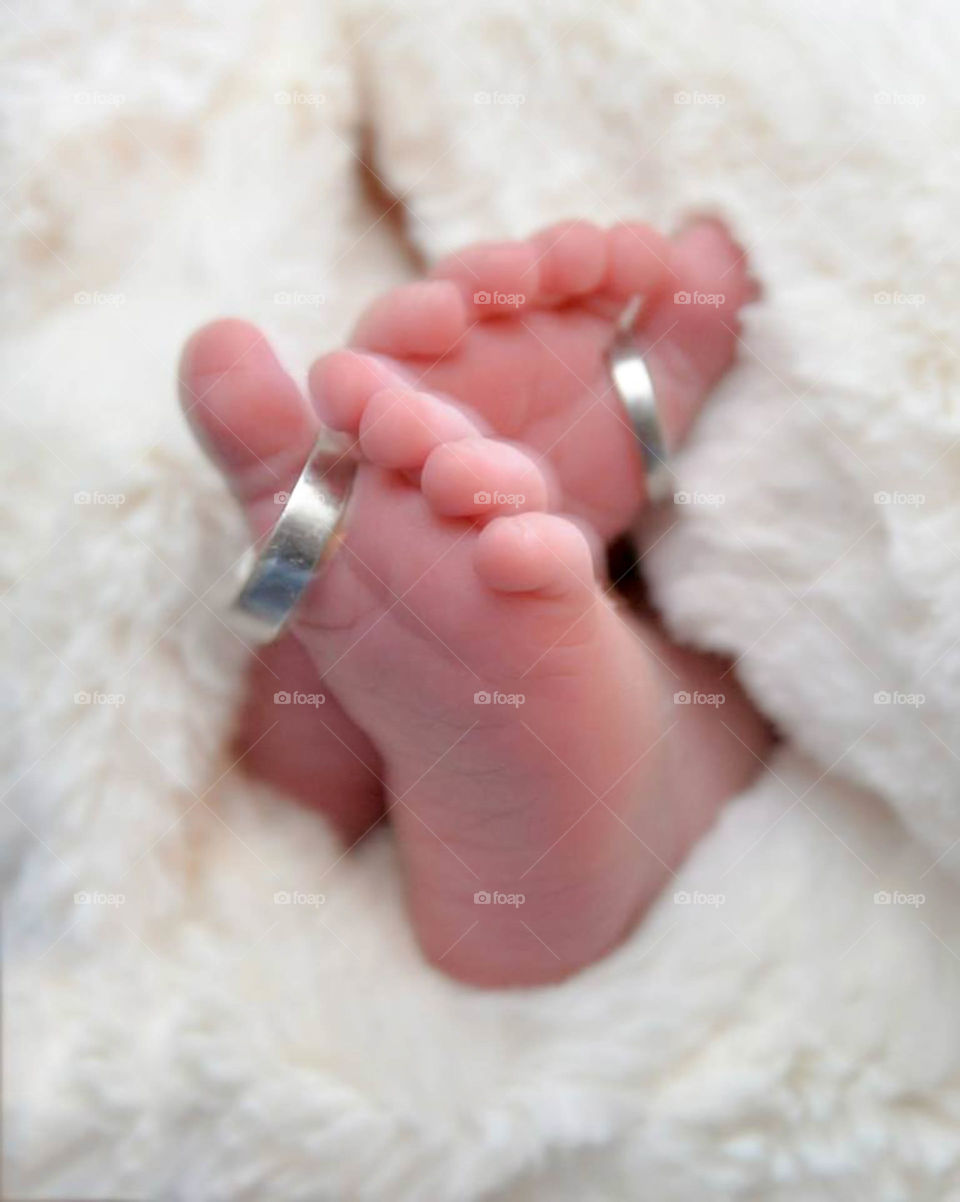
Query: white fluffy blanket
[{"x": 181, "y": 1036}]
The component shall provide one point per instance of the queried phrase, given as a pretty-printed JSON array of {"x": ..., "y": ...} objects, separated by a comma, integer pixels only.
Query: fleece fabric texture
[{"x": 783, "y": 1024}]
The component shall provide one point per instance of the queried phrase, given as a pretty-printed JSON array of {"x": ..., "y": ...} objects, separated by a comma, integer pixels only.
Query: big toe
[
  {"x": 692, "y": 332},
  {"x": 247, "y": 413}
]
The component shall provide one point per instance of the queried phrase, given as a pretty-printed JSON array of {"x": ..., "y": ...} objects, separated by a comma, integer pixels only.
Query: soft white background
[{"x": 797, "y": 1042}]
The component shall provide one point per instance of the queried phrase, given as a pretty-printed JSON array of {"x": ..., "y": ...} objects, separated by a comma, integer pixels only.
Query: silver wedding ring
[
  {"x": 634, "y": 387},
  {"x": 278, "y": 569}
]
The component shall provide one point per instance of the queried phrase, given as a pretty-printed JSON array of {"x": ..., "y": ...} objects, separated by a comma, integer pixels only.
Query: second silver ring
[{"x": 634, "y": 387}]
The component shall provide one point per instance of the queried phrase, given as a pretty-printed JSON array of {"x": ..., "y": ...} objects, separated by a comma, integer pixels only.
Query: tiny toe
[
  {"x": 572, "y": 258},
  {"x": 400, "y": 427},
  {"x": 425, "y": 318},
  {"x": 638, "y": 261},
  {"x": 247, "y": 412},
  {"x": 534, "y": 552},
  {"x": 342, "y": 383},
  {"x": 692, "y": 328},
  {"x": 706, "y": 257},
  {"x": 478, "y": 476},
  {"x": 493, "y": 277}
]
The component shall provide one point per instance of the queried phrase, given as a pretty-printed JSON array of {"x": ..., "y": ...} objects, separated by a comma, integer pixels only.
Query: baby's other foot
[
  {"x": 518, "y": 331},
  {"x": 258, "y": 429},
  {"x": 522, "y": 724}
]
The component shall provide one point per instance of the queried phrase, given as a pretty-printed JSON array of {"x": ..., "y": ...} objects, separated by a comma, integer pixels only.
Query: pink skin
[
  {"x": 254, "y": 423},
  {"x": 590, "y": 881},
  {"x": 535, "y": 371},
  {"x": 454, "y": 582}
]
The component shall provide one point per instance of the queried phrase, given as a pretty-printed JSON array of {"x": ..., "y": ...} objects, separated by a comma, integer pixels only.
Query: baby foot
[
  {"x": 256, "y": 427},
  {"x": 518, "y": 332},
  {"x": 525, "y": 728}
]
